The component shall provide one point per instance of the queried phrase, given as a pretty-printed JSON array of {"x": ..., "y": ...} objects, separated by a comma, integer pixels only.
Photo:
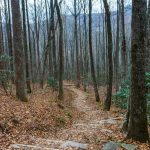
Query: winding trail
[{"x": 87, "y": 133}]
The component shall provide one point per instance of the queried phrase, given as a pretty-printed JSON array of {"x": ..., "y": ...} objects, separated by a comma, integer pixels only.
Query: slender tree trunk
[
  {"x": 107, "y": 103},
  {"x": 18, "y": 51},
  {"x": 53, "y": 40},
  {"x": 47, "y": 20},
  {"x": 91, "y": 53},
  {"x": 26, "y": 48},
  {"x": 10, "y": 40},
  {"x": 81, "y": 49},
  {"x": 116, "y": 66},
  {"x": 138, "y": 129},
  {"x": 1, "y": 44},
  {"x": 61, "y": 52},
  {"x": 9, "y": 32},
  {"x": 124, "y": 55},
  {"x": 85, "y": 48},
  {"x": 148, "y": 38},
  {"x": 127, "y": 117},
  {"x": 29, "y": 43},
  {"x": 76, "y": 43},
  {"x": 36, "y": 25}
]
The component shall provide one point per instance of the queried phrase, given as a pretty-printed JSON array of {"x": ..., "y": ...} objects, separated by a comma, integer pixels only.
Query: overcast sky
[{"x": 96, "y": 4}]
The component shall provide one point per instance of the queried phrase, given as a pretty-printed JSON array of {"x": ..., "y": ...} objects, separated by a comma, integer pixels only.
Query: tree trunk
[
  {"x": 9, "y": 33},
  {"x": 26, "y": 48},
  {"x": 1, "y": 44},
  {"x": 138, "y": 129},
  {"x": 76, "y": 43},
  {"x": 61, "y": 52},
  {"x": 29, "y": 42},
  {"x": 124, "y": 55},
  {"x": 91, "y": 53},
  {"x": 36, "y": 26},
  {"x": 116, "y": 65},
  {"x": 127, "y": 117},
  {"x": 85, "y": 48},
  {"x": 148, "y": 38},
  {"x": 53, "y": 40},
  {"x": 107, "y": 103},
  {"x": 18, "y": 51}
]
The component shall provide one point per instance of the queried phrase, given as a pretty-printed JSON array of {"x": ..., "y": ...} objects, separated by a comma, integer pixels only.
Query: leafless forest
[{"x": 74, "y": 74}]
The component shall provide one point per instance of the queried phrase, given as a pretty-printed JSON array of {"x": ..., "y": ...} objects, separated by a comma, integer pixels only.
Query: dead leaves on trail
[
  {"x": 41, "y": 116},
  {"x": 44, "y": 117}
]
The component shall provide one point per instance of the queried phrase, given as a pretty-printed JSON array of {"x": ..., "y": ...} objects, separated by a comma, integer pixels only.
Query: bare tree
[
  {"x": 52, "y": 24},
  {"x": 18, "y": 51},
  {"x": 9, "y": 31},
  {"x": 107, "y": 103},
  {"x": 26, "y": 48},
  {"x": 76, "y": 14},
  {"x": 61, "y": 52},
  {"x": 116, "y": 59},
  {"x": 91, "y": 53},
  {"x": 29, "y": 42},
  {"x": 85, "y": 55},
  {"x": 1, "y": 44},
  {"x": 124, "y": 57}
]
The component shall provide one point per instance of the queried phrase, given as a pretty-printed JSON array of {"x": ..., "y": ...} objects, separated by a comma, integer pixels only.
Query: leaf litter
[{"x": 78, "y": 118}]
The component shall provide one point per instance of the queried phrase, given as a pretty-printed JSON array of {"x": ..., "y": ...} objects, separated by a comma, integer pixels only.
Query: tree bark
[
  {"x": 37, "y": 48},
  {"x": 29, "y": 42},
  {"x": 76, "y": 43},
  {"x": 61, "y": 53},
  {"x": 26, "y": 48},
  {"x": 138, "y": 129},
  {"x": 91, "y": 53},
  {"x": 85, "y": 47},
  {"x": 18, "y": 51},
  {"x": 124, "y": 55},
  {"x": 1, "y": 44},
  {"x": 116, "y": 65},
  {"x": 148, "y": 38},
  {"x": 53, "y": 40},
  {"x": 107, "y": 102},
  {"x": 9, "y": 33}
]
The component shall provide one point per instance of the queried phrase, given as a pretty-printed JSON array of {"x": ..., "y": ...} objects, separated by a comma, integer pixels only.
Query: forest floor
[{"x": 46, "y": 124}]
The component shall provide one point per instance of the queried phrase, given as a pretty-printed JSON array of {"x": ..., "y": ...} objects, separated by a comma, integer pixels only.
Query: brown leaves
[
  {"x": 37, "y": 117},
  {"x": 44, "y": 117}
]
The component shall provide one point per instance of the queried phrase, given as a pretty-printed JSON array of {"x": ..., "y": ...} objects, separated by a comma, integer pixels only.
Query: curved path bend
[{"x": 87, "y": 133}]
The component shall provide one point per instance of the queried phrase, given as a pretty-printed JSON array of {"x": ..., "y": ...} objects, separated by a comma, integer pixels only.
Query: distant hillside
[{"x": 97, "y": 18}]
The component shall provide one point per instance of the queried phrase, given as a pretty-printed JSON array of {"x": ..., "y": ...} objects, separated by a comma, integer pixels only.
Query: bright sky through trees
[{"x": 96, "y": 4}]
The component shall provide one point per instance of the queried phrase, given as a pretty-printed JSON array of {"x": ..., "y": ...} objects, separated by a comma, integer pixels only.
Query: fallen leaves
[
  {"x": 37, "y": 117},
  {"x": 44, "y": 117}
]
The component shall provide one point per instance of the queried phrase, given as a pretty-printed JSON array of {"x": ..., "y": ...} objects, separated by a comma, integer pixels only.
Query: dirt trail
[{"x": 87, "y": 133}]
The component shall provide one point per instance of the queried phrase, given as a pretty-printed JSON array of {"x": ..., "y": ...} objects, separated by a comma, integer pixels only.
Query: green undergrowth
[{"x": 120, "y": 99}]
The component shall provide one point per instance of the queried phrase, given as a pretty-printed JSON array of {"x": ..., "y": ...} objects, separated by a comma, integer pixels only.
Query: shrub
[
  {"x": 69, "y": 114},
  {"x": 53, "y": 83},
  {"x": 6, "y": 74},
  {"x": 120, "y": 99},
  {"x": 60, "y": 121},
  {"x": 148, "y": 80}
]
